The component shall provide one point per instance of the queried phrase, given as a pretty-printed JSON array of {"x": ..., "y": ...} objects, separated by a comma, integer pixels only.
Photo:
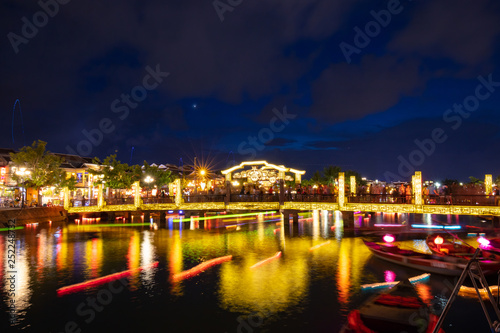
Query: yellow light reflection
[
  {"x": 62, "y": 249},
  {"x": 147, "y": 256},
  {"x": 93, "y": 258},
  {"x": 315, "y": 225},
  {"x": 175, "y": 263},
  {"x": 41, "y": 252},
  {"x": 272, "y": 287},
  {"x": 343, "y": 273},
  {"x": 133, "y": 259}
]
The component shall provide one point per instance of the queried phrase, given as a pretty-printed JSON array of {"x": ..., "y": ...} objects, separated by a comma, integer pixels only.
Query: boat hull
[{"x": 418, "y": 261}]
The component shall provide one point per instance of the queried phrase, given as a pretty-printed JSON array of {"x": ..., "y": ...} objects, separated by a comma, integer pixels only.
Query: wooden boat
[
  {"x": 398, "y": 310},
  {"x": 449, "y": 246},
  {"x": 421, "y": 261},
  {"x": 442, "y": 244}
]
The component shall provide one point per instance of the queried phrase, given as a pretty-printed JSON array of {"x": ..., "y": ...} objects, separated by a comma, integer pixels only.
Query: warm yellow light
[
  {"x": 148, "y": 179},
  {"x": 203, "y": 172}
]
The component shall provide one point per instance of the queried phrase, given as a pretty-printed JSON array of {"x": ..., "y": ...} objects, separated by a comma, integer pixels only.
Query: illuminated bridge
[{"x": 345, "y": 201}]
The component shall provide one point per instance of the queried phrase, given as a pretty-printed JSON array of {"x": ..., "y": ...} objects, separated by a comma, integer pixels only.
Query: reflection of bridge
[{"x": 450, "y": 204}]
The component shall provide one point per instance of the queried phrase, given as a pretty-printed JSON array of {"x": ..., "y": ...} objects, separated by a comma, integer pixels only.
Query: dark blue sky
[{"x": 382, "y": 87}]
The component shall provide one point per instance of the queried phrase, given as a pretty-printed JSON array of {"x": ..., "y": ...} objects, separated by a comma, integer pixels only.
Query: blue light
[
  {"x": 452, "y": 227},
  {"x": 181, "y": 212},
  {"x": 426, "y": 226},
  {"x": 170, "y": 211}
]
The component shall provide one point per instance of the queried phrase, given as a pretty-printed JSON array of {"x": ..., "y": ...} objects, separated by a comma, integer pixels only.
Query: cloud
[
  {"x": 280, "y": 142},
  {"x": 353, "y": 91},
  {"x": 323, "y": 144},
  {"x": 464, "y": 31}
]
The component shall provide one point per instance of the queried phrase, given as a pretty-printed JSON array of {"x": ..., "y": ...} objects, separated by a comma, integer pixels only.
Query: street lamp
[
  {"x": 148, "y": 180},
  {"x": 22, "y": 172}
]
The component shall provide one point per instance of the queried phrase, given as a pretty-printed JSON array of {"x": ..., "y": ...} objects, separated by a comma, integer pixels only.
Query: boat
[
  {"x": 417, "y": 260},
  {"x": 450, "y": 246},
  {"x": 398, "y": 310},
  {"x": 447, "y": 245}
]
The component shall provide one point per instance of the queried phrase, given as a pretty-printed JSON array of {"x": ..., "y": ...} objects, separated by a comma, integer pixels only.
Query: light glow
[
  {"x": 414, "y": 279},
  {"x": 389, "y": 238},
  {"x": 319, "y": 245},
  {"x": 483, "y": 241},
  {"x": 96, "y": 282},
  {"x": 226, "y": 216},
  {"x": 200, "y": 268},
  {"x": 438, "y": 240},
  {"x": 383, "y": 225},
  {"x": 265, "y": 261},
  {"x": 430, "y": 226}
]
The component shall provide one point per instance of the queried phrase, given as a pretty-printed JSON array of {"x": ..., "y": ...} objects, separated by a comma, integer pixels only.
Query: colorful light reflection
[{"x": 390, "y": 276}]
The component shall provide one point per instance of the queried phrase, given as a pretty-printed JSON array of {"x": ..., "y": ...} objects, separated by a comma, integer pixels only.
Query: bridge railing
[
  {"x": 264, "y": 197},
  {"x": 82, "y": 202},
  {"x": 203, "y": 198},
  {"x": 380, "y": 198},
  {"x": 462, "y": 200},
  {"x": 311, "y": 197},
  {"x": 159, "y": 200},
  {"x": 119, "y": 201}
]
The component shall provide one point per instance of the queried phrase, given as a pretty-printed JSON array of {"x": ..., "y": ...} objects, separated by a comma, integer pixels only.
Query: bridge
[{"x": 346, "y": 201}]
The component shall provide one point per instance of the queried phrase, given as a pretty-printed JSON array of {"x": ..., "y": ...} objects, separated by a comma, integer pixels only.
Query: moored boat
[
  {"x": 398, "y": 310},
  {"x": 450, "y": 246},
  {"x": 421, "y": 261}
]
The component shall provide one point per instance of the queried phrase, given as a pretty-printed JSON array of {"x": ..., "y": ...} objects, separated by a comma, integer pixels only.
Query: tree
[
  {"x": 474, "y": 180},
  {"x": 114, "y": 174},
  {"x": 42, "y": 165},
  {"x": 317, "y": 178},
  {"x": 331, "y": 173},
  {"x": 160, "y": 177}
]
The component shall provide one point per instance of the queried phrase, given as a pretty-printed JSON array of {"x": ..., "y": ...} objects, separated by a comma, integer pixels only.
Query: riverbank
[{"x": 33, "y": 215}]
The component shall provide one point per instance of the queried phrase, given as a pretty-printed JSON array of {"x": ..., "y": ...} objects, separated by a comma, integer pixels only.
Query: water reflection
[
  {"x": 318, "y": 265},
  {"x": 133, "y": 258},
  {"x": 147, "y": 257},
  {"x": 17, "y": 287},
  {"x": 94, "y": 257}
]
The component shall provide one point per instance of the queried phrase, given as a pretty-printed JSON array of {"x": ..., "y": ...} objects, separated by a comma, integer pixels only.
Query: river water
[{"x": 310, "y": 281}]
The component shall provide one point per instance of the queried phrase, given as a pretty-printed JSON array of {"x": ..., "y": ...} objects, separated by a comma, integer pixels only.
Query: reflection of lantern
[{"x": 438, "y": 240}]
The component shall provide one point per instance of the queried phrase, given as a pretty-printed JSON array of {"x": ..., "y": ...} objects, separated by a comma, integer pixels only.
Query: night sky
[{"x": 381, "y": 87}]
